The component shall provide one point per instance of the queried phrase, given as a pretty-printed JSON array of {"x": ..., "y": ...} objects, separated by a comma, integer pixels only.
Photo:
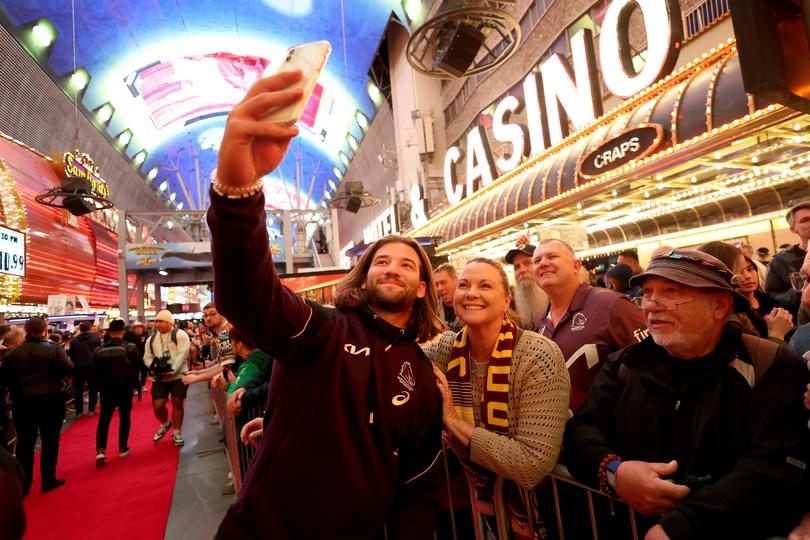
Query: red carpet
[{"x": 128, "y": 498}]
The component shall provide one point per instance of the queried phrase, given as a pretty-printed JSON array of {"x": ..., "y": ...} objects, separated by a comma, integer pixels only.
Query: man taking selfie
[{"x": 354, "y": 435}]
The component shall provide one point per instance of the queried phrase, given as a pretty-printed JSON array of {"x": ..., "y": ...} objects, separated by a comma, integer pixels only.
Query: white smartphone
[{"x": 310, "y": 58}]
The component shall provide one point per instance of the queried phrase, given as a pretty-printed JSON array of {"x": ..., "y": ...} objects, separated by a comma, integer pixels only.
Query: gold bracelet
[{"x": 231, "y": 192}]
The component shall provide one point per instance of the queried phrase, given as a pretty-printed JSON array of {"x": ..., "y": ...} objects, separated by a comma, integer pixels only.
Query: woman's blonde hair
[{"x": 350, "y": 293}]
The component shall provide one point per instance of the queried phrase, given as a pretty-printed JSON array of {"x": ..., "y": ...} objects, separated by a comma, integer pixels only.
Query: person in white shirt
[{"x": 166, "y": 356}]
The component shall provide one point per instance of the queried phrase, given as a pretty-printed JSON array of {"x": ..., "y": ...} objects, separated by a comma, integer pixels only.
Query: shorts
[{"x": 162, "y": 389}]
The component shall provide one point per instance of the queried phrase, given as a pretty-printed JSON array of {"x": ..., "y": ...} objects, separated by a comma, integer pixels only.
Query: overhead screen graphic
[{"x": 165, "y": 74}]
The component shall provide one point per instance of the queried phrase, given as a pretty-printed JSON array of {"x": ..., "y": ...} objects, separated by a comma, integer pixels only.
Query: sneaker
[
  {"x": 124, "y": 452},
  {"x": 229, "y": 488},
  {"x": 164, "y": 428},
  {"x": 101, "y": 458},
  {"x": 177, "y": 439}
]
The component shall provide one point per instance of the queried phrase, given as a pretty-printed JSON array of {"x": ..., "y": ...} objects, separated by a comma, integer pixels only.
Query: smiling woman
[{"x": 505, "y": 390}]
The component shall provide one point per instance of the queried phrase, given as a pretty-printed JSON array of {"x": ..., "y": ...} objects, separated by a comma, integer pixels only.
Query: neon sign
[
  {"x": 636, "y": 143},
  {"x": 556, "y": 95},
  {"x": 83, "y": 166}
]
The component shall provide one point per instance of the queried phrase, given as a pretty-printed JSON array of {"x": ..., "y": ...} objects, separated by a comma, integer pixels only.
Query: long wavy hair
[{"x": 424, "y": 317}]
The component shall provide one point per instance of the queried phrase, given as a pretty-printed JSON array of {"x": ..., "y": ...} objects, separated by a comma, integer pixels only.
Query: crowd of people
[
  {"x": 674, "y": 393},
  {"x": 680, "y": 390}
]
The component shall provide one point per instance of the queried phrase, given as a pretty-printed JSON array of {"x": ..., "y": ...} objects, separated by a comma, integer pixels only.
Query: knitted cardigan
[{"x": 539, "y": 391}]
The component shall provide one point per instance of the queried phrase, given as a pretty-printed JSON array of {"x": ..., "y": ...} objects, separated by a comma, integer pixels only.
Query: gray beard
[{"x": 531, "y": 303}]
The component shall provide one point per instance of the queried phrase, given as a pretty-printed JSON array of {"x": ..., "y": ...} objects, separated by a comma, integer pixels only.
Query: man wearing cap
[
  {"x": 166, "y": 356},
  {"x": 699, "y": 428},
  {"x": 764, "y": 255},
  {"x": 115, "y": 365},
  {"x": 777, "y": 283},
  {"x": 587, "y": 323},
  {"x": 531, "y": 302}
]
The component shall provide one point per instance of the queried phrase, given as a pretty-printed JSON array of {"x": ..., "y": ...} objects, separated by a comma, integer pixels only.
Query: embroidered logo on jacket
[
  {"x": 407, "y": 380},
  {"x": 352, "y": 349},
  {"x": 578, "y": 323}
]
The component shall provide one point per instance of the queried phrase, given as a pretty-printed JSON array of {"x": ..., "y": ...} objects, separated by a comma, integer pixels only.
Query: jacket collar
[
  {"x": 648, "y": 358},
  {"x": 383, "y": 327}
]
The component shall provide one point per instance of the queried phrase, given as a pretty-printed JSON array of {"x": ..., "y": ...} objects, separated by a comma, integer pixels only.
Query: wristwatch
[{"x": 610, "y": 473}]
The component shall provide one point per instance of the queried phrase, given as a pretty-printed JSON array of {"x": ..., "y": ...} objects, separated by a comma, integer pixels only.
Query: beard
[
  {"x": 390, "y": 301},
  {"x": 531, "y": 303}
]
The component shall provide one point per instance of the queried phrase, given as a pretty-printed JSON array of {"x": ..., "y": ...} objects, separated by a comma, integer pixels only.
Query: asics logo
[{"x": 352, "y": 349}]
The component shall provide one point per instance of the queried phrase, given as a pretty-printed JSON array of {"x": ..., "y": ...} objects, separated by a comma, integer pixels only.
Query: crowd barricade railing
[
  {"x": 498, "y": 511},
  {"x": 9, "y": 429},
  {"x": 239, "y": 455}
]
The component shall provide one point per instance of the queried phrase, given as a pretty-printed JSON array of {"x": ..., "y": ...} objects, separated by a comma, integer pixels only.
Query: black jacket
[
  {"x": 82, "y": 348},
  {"x": 35, "y": 367},
  {"x": 703, "y": 413},
  {"x": 115, "y": 364},
  {"x": 777, "y": 282},
  {"x": 356, "y": 415}
]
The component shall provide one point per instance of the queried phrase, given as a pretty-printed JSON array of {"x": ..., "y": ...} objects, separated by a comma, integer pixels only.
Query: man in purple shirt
[{"x": 587, "y": 323}]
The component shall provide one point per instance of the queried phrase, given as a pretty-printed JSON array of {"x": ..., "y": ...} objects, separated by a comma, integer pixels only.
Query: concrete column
[
  {"x": 123, "y": 296},
  {"x": 140, "y": 295}
]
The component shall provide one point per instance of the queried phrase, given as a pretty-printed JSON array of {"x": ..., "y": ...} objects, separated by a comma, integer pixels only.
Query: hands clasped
[{"x": 642, "y": 486}]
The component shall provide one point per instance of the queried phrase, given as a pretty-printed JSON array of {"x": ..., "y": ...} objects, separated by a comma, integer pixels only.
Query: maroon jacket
[
  {"x": 599, "y": 322},
  {"x": 355, "y": 420}
]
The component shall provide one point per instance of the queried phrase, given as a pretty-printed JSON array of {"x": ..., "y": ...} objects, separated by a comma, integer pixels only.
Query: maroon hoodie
[{"x": 354, "y": 434}]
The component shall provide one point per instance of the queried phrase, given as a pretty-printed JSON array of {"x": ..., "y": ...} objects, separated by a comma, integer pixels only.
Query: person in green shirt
[{"x": 253, "y": 360}]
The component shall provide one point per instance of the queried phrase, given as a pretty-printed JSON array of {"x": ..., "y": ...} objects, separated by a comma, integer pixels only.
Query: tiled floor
[{"x": 198, "y": 504}]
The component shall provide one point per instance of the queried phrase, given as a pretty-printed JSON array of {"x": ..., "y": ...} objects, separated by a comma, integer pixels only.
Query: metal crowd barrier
[
  {"x": 239, "y": 455},
  {"x": 498, "y": 511}
]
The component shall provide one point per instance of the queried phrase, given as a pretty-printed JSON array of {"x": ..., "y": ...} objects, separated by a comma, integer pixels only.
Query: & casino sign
[{"x": 556, "y": 94}]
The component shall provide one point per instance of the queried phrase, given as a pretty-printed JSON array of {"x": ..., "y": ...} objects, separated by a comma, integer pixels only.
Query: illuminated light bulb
[
  {"x": 694, "y": 179},
  {"x": 124, "y": 137},
  {"x": 163, "y": 186},
  {"x": 151, "y": 174},
  {"x": 79, "y": 80},
  {"x": 105, "y": 112},
  {"x": 44, "y": 34},
  {"x": 173, "y": 196},
  {"x": 180, "y": 205},
  {"x": 139, "y": 158}
]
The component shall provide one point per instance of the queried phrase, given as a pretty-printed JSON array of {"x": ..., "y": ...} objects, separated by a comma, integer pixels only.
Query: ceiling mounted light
[
  {"x": 104, "y": 113},
  {"x": 362, "y": 121},
  {"x": 353, "y": 143},
  {"x": 374, "y": 94},
  {"x": 170, "y": 224},
  {"x": 123, "y": 138},
  {"x": 79, "y": 79},
  {"x": 44, "y": 33},
  {"x": 163, "y": 272},
  {"x": 139, "y": 158}
]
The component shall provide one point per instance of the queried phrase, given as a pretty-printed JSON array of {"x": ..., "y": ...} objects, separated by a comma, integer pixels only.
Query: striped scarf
[{"x": 494, "y": 400}]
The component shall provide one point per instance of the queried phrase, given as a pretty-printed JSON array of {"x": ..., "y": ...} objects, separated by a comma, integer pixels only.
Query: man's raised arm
[{"x": 248, "y": 291}]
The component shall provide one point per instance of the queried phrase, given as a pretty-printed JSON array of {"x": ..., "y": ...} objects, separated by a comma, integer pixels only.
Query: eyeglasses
[
  {"x": 665, "y": 304},
  {"x": 672, "y": 254},
  {"x": 798, "y": 281}
]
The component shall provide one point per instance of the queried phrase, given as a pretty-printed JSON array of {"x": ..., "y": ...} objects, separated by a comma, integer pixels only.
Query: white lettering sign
[
  {"x": 557, "y": 94},
  {"x": 418, "y": 210},
  {"x": 385, "y": 224},
  {"x": 508, "y": 133},
  {"x": 617, "y": 63}
]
